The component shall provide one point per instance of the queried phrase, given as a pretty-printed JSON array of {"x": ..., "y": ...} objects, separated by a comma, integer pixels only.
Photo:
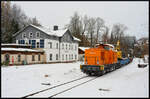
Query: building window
[
  {"x": 39, "y": 57},
  {"x": 56, "y": 45},
  {"x": 19, "y": 58},
  {"x": 75, "y": 47},
  {"x": 69, "y": 46},
  {"x": 37, "y": 34},
  {"x": 62, "y": 46},
  {"x": 29, "y": 41},
  {"x": 33, "y": 58},
  {"x": 37, "y": 44},
  {"x": 72, "y": 56},
  {"x": 66, "y": 58},
  {"x": 33, "y": 43},
  {"x": 21, "y": 41},
  {"x": 24, "y": 35},
  {"x": 41, "y": 43},
  {"x": 75, "y": 56},
  {"x": 50, "y": 44},
  {"x": 31, "y": 34},
  {"x": 56, "y": 56},
  {"x": 50, "y": 57},
  {"x": 7, "y": 57}
]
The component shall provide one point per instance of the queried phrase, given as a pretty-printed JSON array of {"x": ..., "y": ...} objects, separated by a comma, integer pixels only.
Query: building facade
[
  {"x": 58, "y": 45},
  {"x": 16, "y": 54}
]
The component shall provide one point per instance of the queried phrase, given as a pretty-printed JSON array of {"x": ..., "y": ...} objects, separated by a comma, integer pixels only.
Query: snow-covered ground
[{"x": 128, "y": 81}]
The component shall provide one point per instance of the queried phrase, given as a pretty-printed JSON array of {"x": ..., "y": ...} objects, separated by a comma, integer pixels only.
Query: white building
[{"x": 59, "y": 45}]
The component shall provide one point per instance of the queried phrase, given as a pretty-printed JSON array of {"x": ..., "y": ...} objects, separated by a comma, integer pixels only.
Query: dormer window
[
  {"x": 31, "y": 34},
  {"x": 24, "y": 35},
  {"x": 37, "y": 34}
]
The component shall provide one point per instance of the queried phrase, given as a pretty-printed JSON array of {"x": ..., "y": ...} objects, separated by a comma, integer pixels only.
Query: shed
[
  {"x": 16, "y": 55},
  {"x": 81, "y": 51}
]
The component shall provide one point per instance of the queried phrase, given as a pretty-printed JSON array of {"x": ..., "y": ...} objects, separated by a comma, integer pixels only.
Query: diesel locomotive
[{"x": 103, "y": 58}]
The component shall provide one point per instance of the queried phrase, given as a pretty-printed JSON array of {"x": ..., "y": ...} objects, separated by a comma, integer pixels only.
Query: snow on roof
[
  {"x": 110, "y": 45},
  {"x": 58, "y": 33},
  {"x": 76, "y": 39},
  {"x": 20, "y": 49},
  {"x": 84, "y": 48},
  {"x": 15, "y": 44},
  {"x": 146, "y": 55},
  {"x": 105, "y": 44}
]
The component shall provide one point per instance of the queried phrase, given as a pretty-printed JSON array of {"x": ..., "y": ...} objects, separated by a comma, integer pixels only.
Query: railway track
[
  {"x": 61, "y": 88},
  {"x": 72, "y": 87},
  {"x": 55, "y": 90}
]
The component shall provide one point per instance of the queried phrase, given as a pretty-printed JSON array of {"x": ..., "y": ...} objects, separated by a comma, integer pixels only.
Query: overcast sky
[{"x": 135, "y": 15}]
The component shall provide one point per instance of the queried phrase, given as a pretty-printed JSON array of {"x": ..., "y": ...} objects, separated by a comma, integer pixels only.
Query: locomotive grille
[{"x": 91, "y": 68}]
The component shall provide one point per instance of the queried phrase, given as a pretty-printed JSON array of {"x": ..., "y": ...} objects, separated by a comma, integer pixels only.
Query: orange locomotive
[{"x": 99, "y": 60}]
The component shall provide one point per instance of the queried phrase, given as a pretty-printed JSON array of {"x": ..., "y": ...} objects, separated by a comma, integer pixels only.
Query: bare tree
[
  {"x": 74, "y": 24},
  {"x": 84, "y": 24},
  {"x": 105, "y": 37},
  {"x": 91, "y": 28},
  {"x": 5, "y": 21},
  {"x": 99, "y": 25},
  {"x": 118, "y": 31},
  {"x": 78, "y": 26},
  {"x": 34, "y": 21},
  {"x": 12, "y": 20}
]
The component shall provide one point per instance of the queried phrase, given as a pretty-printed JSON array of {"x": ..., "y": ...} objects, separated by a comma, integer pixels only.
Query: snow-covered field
[{"x": 128, "y": 81}]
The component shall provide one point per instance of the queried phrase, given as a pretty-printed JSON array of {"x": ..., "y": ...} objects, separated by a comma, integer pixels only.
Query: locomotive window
[{"x": 106, "y": 47}]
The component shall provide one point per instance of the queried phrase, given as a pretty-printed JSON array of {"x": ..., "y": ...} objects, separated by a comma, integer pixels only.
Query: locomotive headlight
[
  {"x": 97, "y": 62},
  {"x": 86, "y": 62}
]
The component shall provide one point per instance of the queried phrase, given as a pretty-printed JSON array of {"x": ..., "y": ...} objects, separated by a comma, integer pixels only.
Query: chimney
[{"x": 55, "y": 27}]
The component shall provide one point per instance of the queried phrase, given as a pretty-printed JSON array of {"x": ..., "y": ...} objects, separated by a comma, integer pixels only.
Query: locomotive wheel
[
  {"x": 108, "y": 70},
  {"x": 104, "y": 71},
  {"x": 111, "y": 68},
  {"x": 114, "y": 67},
  {"x": 90, "y": 74},
  {"x": 101, "y": 73}
]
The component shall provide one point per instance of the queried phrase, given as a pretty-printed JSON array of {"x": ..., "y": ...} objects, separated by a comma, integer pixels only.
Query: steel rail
[{"x": 53, "y": 87}]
